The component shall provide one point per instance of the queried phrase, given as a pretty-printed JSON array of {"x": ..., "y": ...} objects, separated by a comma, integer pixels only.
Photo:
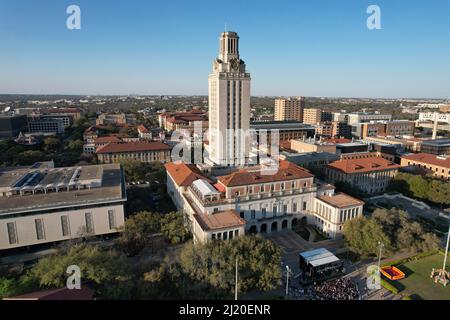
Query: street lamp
[{"x": 288, "y": 271}]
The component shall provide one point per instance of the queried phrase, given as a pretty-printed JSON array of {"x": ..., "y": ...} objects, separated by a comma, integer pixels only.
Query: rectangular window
[
  {"x": 89, "y": 222},
  {"x": 12, "y": 234},
  {"x": 112, "y": 219},
  {"x": 253, "y": 214},
  {"x": 274, "y": 210},
  {"x": 285, "y": 209},
  {"x": 263, "y": 212},
  {"x": 39, "y": 224},
  {"x": 304, "y": 206},
  {"x": 65, "y": 226}
]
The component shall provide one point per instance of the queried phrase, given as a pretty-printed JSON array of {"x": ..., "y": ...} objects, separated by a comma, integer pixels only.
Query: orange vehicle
[{"x": 392, "y": 273}]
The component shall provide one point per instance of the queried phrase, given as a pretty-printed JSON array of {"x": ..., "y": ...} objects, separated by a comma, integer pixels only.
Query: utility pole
[
  {"x": 379, "y": 257},
  {"x": 236, "y": 283},
  {"x": 288, "y": 271},
  {"x": 446, "y": 250}
]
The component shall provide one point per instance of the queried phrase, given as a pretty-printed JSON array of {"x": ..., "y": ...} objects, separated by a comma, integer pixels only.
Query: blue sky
[{"x": 311, "y": 48}]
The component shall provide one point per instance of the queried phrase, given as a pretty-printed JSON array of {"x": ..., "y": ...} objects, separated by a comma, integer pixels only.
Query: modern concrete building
[
  {"x": 334, "y": 129},
  {"x": 312, "y": 116},
  {"x": 312, "y": 145},
  {"x": 39, "y": 124},
  {"x": 437, "y": 146},
  {"x": 387, "y": 128},
  {"x": 12, "y": 125},
  {"x": 42, "y": 204},
  {"x": 140, "y": 150},
  {"x": 289, "y": 109},
  {"x": 438, "y": 166},
  {"x": 431, "y": 116},
  {"x": 229, "y": 105},
  {"x": 287, "y": 130}
]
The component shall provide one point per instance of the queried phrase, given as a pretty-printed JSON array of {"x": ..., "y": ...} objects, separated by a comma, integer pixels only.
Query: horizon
[{"x": 336, "y": 56}]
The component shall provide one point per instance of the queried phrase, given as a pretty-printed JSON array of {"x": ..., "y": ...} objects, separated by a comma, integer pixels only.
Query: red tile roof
[
  {"x": 286, "y": 171},
  {"x": 137, "y": 146},
  {"x": 363, "y": 165},
  {"x": 429, "y": 159},
  {"x": 107, "y": 139},
  {"x": 184, "y": 174},
  {"x": 142, "y": 129}
]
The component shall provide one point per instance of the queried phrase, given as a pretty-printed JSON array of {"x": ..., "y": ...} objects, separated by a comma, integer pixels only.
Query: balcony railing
[{"x": 251, "y": 197}]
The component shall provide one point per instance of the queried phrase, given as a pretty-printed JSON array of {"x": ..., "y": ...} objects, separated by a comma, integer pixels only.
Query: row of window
[
  {"x": 226, "y": 235},
  {"x": 282, "y": 187},
  {"x": 65, "y": 226},
  {"x": 274, "y": 211}
]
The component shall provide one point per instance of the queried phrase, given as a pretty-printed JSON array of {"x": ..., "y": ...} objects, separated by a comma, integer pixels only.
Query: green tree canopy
[
  {"x": 391, "y": 227},
  {"x": 214, "y": 263}
]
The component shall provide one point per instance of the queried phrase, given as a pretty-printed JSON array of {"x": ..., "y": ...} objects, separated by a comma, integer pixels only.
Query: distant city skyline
[{"x": 292, "y": 48}]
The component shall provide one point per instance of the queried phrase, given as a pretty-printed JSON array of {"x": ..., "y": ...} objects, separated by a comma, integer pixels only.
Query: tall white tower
[{"x": 229, "y": 105}]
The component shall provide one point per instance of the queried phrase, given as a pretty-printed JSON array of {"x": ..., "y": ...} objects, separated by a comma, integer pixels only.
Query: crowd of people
[{"x": 339, "y": 289}]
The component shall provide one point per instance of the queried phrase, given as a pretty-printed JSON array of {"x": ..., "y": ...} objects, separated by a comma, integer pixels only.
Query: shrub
[{"x": 388, "y": 286}]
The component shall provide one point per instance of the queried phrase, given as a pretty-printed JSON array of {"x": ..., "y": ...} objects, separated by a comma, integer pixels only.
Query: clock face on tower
[{"x": 234, "y": 64}]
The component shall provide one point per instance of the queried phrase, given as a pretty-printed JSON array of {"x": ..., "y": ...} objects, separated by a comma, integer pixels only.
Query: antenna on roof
[{"x": 225, "y": 27}]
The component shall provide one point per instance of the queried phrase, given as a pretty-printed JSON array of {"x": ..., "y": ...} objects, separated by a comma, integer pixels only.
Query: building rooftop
[
  {"x": 184, "y": 174},
  {"x": 341, "y": 200},
  {"x": 133, "y": 147},
  {"x": 442, "y": 161},
  {"x": 32, "y": 189},
  {"x": 437, "y": 142},
  {"x": 291, "y": 124},
  {"x": 319, "y": 257},
  {"x": 219, "y": 220},
  {"x": 286, "y": 171},
  {"x": 363, "y": 165}
]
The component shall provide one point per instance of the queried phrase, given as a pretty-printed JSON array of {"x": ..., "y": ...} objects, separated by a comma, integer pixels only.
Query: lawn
[{"x": 418, "y": 282}]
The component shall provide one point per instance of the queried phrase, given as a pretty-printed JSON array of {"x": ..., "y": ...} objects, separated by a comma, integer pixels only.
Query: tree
[
  {"x": 75, "y": 146},
  {"x": 418, "y": 186},
  {"x": 172, "y": 226},
  {"x": 391, "y": 227},
  {"x": 439, "y": 192},
  {"x": 51, "y": 144},
  {"x": 31, "y": 156},
  {"x": 214, "y": 263},
  {"x": 138, "y": 231},
  {"x": 107, "y": 270}
]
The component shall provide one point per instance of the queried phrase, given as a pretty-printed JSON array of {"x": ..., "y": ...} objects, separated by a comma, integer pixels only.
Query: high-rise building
[
  {"x": 229, "y": 105},
  {"x": 312, "y": 116},
  {"x": 289, "y": 109}
]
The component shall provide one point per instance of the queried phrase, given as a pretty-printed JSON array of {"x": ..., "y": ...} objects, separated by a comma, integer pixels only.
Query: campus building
[
  {"x": 229, "y": 105},
  {"x": 139, "y": 150},
  {"x": 387, "y": 128},
  {"x": 11, "y": 126},
  {"x": 439, "y": 166},
  {"x": 437, "y": 146},
  {"x": 171, "y": 121},
  {"x": 289, "y": 109},
  {"x": 246, "y": 200},
  {"x": 370, "y": 174},
  {"x": 42, "y": 204}
]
